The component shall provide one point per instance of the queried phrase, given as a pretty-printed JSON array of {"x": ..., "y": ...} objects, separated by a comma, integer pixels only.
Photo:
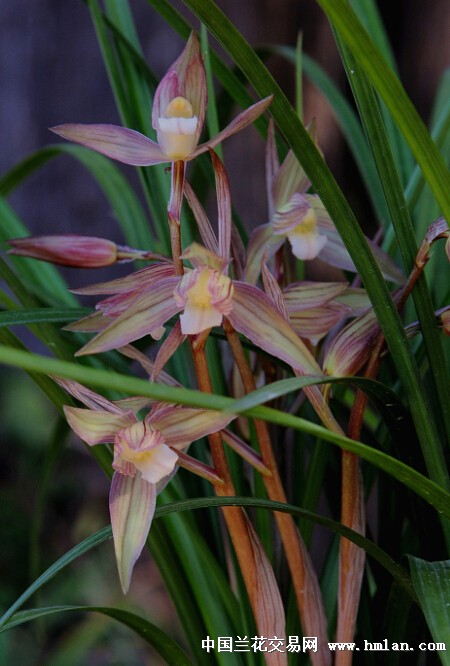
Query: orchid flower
[
  {"x": 302, "y": 219},
  {"x": 145, "y": 457},
  {"x": 177, "y": 117},
  {"x": 142, "y": 303}
]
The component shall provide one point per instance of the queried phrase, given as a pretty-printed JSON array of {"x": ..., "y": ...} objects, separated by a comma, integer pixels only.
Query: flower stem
[
  {"x": 252, "y": 560},
  {"x": 174, "y": 213},
  {"x": 306, "y": 586}
]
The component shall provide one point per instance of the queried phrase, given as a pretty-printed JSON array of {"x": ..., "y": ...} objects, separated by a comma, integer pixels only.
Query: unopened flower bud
[{"x": 68, "y": 250}]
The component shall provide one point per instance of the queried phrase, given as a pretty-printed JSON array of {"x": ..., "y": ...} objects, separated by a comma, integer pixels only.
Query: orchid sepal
[
  {"x": 97, "y": 427},
  {"x": 119, "y": 143},
  {"x": 132, "y": 503},
  {"x": 145, "y": 314}
]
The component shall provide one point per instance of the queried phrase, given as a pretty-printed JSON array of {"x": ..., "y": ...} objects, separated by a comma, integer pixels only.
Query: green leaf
[
  {"x": 428, "y": 490},
  {"x": 368, "y": 14},
  {"x": 431, "y": 582},
  {"x": 393, "y": 94},
  {"x": 39, "y": 315},
  {"x": 188, "y": 505},
  {"x": 63, "y": 561},
  {"x": 158, "y": 639},
  {"x": 373, "y": 124}
]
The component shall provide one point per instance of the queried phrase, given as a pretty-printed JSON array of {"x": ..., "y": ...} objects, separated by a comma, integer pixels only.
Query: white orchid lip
[
  {"x": 140, "y": 447},
  {"x": 299, "y": 222},
  {"x": 177, "y": 129},
  {"x": 206, "y": 296}
]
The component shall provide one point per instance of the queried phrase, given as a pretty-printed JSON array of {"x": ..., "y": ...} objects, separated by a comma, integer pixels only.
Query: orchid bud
[{"x": 68, "y": 250}]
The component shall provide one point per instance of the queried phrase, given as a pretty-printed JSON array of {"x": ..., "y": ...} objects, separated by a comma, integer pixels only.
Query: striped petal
[
  {"x": 145, "y": 314},
  {"x": 97, "y": 427},
  {"x": 350, "y": 349},
  {"x": 335, "y": 253},
  {"x": 119, "y": 143},
  {"x": 315, "y": 323},
  {"x": 262, "y": 241},
  {"x": 241, "y": 121},
  {"x": 256, "y": 317},
  {"x": 180, "y": 426},
  {"x": 132, "y": 503},
  {"x": 186, "y": 77},
  {"x": 305, "y": 295},
  {"x": 130, "y": 282}
]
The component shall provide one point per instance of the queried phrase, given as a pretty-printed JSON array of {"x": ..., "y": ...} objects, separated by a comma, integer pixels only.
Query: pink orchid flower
[
  {"x": 177, "y": 117},
  {"x": 302, "y": 219},
  {"x": 145, "y": 457}
]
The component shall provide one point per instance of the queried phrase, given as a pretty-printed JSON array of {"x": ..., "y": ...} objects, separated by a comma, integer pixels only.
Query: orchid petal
[
  {"x": 254, "y": 316},
  {"x": 272, "y": 166},
  {"x": 206, "y": 231},
  {"x": 197, "y": 319},
  {"x": 145, "y": 314},
  {"x": 160, "y": 463},
  {"x": 306, "y": 295},
  {"x": 132, "y": 503},
  {"x": 335, "y": 252},
  {"x": 350, "y": 349},
  {"x": 315, "y": 323},
  {"x": 245, "y": 118},
  {"x": 97, "y": 427},
  {"x": 186, "y": 77},
  {"x": 149, "y": 365},
  {"x": 290, "y": 179},
  {"x": 199, "y": 256},
  {"x": 168, "y": 348},
  {"x": 356, "y": 298},
  {"x": 262, "y": 241},
  {"x": 224, "y": 206},
  {"x": 180, "y": 426},
  {"x": 130, "y": 282},
  {"x": 306, "y": 246},
  {"x": 91, "y": 324},
  {"x": 273, "y": 290},
  {"x": 89, "y": 398},
  {"x": 119, "y": 143},
  {"x": 134, "y": 403}
]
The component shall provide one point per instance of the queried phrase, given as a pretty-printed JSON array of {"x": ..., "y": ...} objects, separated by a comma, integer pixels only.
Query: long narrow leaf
[
  {"x": 158, "y": 639},
  {"x": 431, "y": 582},
  {"x": 428, "y": 490},
  {"x": 373, "y": 124},
  {"x": 395, "y": 98}
]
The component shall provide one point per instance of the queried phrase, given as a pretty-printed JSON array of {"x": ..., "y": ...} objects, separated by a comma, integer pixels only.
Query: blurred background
[{"x": 51, "y": 72}]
